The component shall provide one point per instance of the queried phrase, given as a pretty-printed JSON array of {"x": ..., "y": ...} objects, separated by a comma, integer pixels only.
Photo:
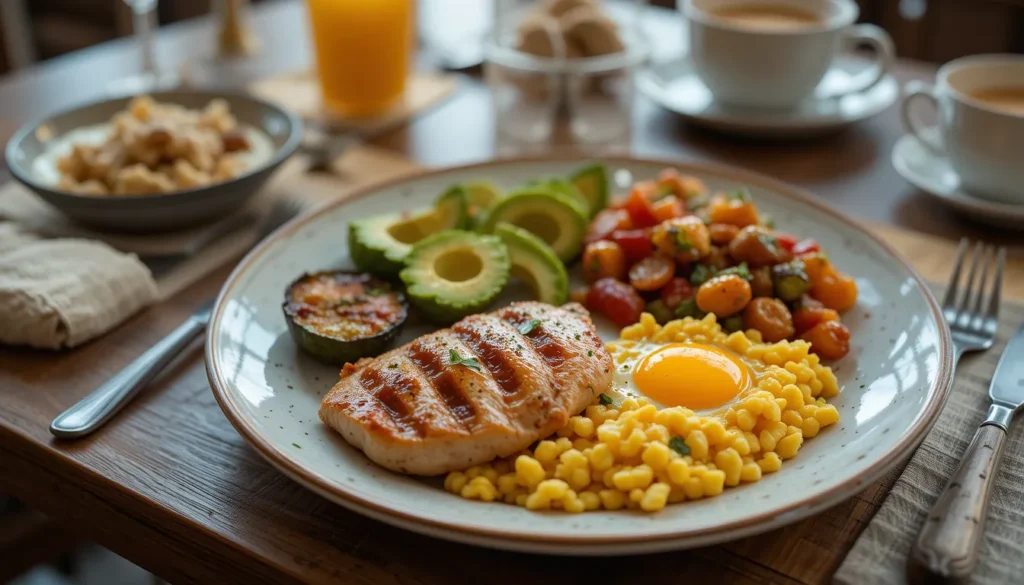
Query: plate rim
[{"x": 317, "y": 483}]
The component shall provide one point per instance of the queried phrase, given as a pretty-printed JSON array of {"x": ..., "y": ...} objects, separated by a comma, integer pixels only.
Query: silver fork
[
  {"x": 93, "y": 411},
  {"x": 946, "y": 548}
]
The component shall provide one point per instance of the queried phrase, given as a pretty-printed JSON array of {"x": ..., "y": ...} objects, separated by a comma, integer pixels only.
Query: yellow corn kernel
[
  {"x": 537, "y": 501},
  {"x": 582, "y": 426},
  {"x": 608, "y": 433},
  {"x": 636, "y": 495},
  {"x": 508, "y": 483},
  {"x": 612, "y": 499},
  {"x": 767, "y": 441},
  {"x": 521, "y": 500},
  {"x": 655, "y": 497},
  {"x": 739, "y": 442},
  {"x": 794, "y": 397},
  {"x": 791, "y": 430},
  {"x": 608, "y": 479},
  {"x": 563, "y": 445},
  {"x": 755, "y": 445},
  {"x": 573, "y": 458},
  {"x": 611, "y": 414},
  {"x": 638, "y": 477},
  {"x": 793, "y": 418},
  {"x": 678, "y": 471},
  {"x": 529, "y": 471},
  {"x": 753, "y": 404},
  {"x": 591, "y": 501},
  {"x": 546, "y": 451},
  {"x": 789, "y": 445},
  {"x": 772, "y": 410},
  {"x": 582, "y": 444},
  {"x": 601, "y": 457},
  {"x": 770, "y": 463},
  {"x": 810, "y": 428},
  {"x": 455, "y": 481},
  {"x": 656, "y": 455},
  {"x": 474, "y": 472},
  {"x": 698, "y": 444},
  {"x": 694, "y": 488},
  {"x": 491, "y": 474},
  {"x": 656, "y": 432},
  {"x": 750, "y": 472},
  {"x": 821, "y": 402},
  {"x": 628, "y": 404},
  {"x": 480, "y": 488},
  {"x": 646, "y": 413},
  {"x": 745, "y": 419},
  {"x": 771, "y": 385},
  {"x": 808, "y": 410},
  {"x": 553, "y": 489},
  {"x": 730, "y": 417},
  {"x": 715, "y": 431},
  {"x": 572, "y": 503},
  {"x": 713, "y": 482},
  {"x": 827, "y": 415},
  {"x": 729, "y": 461},
  {"x": 633, "y": 444}
]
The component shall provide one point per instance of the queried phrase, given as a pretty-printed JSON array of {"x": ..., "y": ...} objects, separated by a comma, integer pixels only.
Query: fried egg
[{"x": 697, "y": 376}]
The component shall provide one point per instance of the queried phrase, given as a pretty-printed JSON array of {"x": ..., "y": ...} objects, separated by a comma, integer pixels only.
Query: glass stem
[{"x": 142, "y": 22}]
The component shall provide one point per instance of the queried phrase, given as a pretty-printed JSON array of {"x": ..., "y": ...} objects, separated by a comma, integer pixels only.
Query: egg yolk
[{"x": 692, "y": 375}]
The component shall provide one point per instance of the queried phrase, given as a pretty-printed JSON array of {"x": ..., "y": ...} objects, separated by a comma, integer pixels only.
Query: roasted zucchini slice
[{"x": 341, "y": 316}]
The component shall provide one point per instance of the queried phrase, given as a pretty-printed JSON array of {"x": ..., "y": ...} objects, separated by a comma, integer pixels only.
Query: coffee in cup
[
  {"x": 774, "y": 53},
  {"x": 980, "y": 128}
]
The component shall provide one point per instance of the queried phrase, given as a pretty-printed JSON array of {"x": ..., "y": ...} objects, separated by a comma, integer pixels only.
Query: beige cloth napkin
[
  {"x": 880, "y": 554},
  {"x": 61, "y": 293}
]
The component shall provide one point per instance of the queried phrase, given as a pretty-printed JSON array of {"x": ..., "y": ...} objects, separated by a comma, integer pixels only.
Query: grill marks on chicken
[{"x": 416, "y": 410}]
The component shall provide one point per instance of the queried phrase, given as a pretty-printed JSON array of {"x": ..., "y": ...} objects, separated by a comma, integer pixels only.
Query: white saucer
[
  {"x": 676, "y": 86},
  {"x": 934, "y": 175}
]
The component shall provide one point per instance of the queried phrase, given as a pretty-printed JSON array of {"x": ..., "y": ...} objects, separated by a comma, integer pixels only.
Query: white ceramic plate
[
  {"x": 675, "y": 86},
  {"x": 894, "y": 382},
  {"x": 934, "y": 175}
]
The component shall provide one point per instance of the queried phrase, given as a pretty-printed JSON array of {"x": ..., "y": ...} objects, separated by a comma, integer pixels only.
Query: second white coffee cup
[{"x": 774, "y": 53}]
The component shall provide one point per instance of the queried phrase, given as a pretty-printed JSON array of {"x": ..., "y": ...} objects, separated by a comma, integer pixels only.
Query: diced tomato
[
  {"x": 806, "y": 246},
  {"x": 787, "y": 241},
  {"x": 606, "y": 222},
  {"x": 616, "y": 300},
  {"x": 808, "y": 316},
  {"x": 675, "y": 292},
  {"x": 652, "y": 273},
  {"x": 668, "y": 208},
  {"x": 640, "y": 209},
  {"x": 636, "y": 244}
]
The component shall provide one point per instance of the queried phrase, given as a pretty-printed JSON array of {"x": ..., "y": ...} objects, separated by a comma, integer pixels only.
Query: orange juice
[{"x": 362, "y": 52}]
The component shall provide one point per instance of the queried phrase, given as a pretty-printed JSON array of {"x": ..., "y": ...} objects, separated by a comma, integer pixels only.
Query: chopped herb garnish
[
  {"x": 863, "y": 385},
  {"x": 768, "y": 241},
  {"x": 767, "y": 221},
  {"x": 682, "y": 242},
  {"x": 376, "y": 292},
  {"x": 678, "y": 445},
  {"x": 527, "y": 327},
  {"x": 701, "y": 274},
  {"x": 741, "y": 270},
  {"x": 606, "y": 400},
  {"x": 740, "y": 195},
  {"x": 458, "y": 360},
  {"x": 296, "y": 445},
  {"x": 393, "y": 365},
  {"x": 590, "y": 353}
]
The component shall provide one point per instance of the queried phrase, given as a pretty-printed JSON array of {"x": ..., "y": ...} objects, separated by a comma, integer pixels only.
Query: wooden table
[{"x": 171, "y": 486}]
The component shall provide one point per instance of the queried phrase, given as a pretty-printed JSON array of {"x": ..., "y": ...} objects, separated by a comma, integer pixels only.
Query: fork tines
[{"x": 974, "y": 302}]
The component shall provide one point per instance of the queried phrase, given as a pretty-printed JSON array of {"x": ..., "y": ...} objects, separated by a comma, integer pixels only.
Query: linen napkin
[
  {"x": 62, "y": 293},
  {"x": 880, "y": 553}
]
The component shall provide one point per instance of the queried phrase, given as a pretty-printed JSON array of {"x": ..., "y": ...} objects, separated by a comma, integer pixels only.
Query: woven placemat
[{"x": 880, "y": 553}]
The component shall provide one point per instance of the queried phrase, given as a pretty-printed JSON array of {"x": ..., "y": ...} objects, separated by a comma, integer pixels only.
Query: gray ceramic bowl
[{"x": 142, "y": 213}]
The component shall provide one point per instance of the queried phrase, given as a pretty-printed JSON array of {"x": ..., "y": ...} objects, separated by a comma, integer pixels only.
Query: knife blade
[{"x": 1007, "y": 387}]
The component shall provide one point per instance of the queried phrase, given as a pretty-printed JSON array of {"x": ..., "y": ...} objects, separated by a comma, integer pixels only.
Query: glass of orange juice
[{"x": 362, "y": 52}]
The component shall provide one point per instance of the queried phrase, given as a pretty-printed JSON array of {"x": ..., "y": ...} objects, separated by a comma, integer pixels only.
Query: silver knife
[
  {"x": 948, "y": 543},
  {"x": 104, "y": 402}
]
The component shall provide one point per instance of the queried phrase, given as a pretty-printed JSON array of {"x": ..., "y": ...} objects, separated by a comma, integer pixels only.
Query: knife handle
[
  {"x": 102, "y": 403},
  {"x": 946, "y": 550}
]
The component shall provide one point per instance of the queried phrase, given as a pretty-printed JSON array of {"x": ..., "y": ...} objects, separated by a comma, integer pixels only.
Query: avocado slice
[
  {"x": 592, "y": 183},
  {"x": 455, "y": 273},
  {"x": 379, "y": 244},
  {"x": 535, "y": 263},
  {"x": 481, "y": 196},
  {"x": 557, "y": 219},
  {"x": 563, "y": 186}
]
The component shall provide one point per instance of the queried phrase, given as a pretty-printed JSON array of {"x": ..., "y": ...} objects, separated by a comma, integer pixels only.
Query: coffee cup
[
  {"x": 980, "y": 122},
  {"x": 774, "y": 53}
]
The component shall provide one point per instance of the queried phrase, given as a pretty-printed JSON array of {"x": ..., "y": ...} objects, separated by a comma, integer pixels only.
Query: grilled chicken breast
[{"x": 479, "y": 390}]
